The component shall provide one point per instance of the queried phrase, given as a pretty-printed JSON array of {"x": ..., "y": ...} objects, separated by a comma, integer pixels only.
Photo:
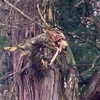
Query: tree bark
[{"x": 38, "y": 81}]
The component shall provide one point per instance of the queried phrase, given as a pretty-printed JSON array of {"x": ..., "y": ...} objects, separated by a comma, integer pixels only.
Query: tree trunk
[{"x": 38, "y": 81}]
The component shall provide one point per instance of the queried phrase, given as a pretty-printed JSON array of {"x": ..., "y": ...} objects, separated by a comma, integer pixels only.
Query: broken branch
[{"x": 28, "y": 43}]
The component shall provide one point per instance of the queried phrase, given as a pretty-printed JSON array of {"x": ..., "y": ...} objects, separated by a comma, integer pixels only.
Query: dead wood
[{"x": 42, "y": 38}]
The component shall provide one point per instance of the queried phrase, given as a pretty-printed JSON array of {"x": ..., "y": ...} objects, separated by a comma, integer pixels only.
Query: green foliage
[
  {"x": 68, "y": 16},
  {"x": 70, "y": 19}
]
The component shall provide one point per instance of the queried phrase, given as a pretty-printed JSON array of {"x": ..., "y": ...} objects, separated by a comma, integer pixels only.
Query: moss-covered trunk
[{"x": 39, "y": 80}]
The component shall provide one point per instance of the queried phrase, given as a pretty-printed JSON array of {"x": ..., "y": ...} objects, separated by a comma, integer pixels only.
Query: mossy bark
[{"x": 40, "y": 81}]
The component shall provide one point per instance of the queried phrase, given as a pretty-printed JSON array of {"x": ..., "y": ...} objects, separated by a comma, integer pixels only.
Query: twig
[
  {"x": 80, "y": 65},
  {"x": 54, "y": 57},
  {"x": 14, "y": 73},
  {"x": 18, "y": 71},
  {"x": 47, "y": 25},
  {"x": 5, "y": 76},
  {"x": 22, "y": 13},
  {"x": 85, "y": 72},
  {"x": 93, "y": 65},
  {"x": 79, "y": 3}
]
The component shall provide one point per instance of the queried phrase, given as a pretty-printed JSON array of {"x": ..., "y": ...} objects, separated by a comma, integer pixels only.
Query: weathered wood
[
  {"x": 93, "y": 91},
  {"x": 38, "y": 81}
]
